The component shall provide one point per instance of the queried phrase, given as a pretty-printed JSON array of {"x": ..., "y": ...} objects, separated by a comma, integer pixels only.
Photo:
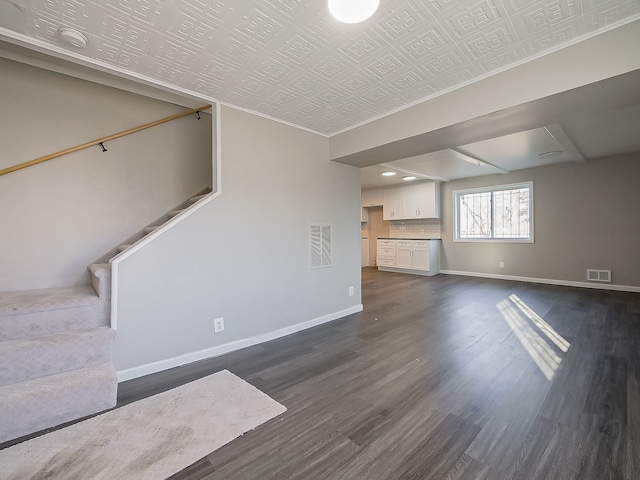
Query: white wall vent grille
[
  {"x": 599, "y": 275},
  {"x": 320, "y": 246}
]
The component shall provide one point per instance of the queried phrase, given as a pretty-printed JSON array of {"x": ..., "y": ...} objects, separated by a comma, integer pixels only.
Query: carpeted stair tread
[
  {"x": 198, "y": 198},
  {"x": 34, "y": 357},
  {"x": 31, "y": 301},
  {"x": 100, "y": 269},
  {"x": 14, "y": 327},
  {"x": 173, "y": 213},
  {"x": 101, "y": 280},
  {"x": 34, "y": 405}
]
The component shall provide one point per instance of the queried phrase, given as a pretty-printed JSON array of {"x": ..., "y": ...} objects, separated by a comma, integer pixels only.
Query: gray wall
[
  {"x": 586, "y": 216},
  {"x": 244, "y": 256},
  {"x": 60, "y": 216}
]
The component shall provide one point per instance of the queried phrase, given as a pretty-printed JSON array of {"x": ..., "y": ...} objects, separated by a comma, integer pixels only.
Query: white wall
[
  {"x": 244, "y": 256},
  {"x": 60, "y": 216},
  {"x": 585, "y": 216}
]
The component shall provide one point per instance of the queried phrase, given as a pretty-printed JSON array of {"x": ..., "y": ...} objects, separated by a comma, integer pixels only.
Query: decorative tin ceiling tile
[
  {"x": 354, "y": 82},
  {"x": 299, "y": 50},
  {"x": 471, "y": 18},
  {"x": 489, "y": 42},
  {"x": 291, "y": 60},
  {"x": 385, "y": 66},
  {"x": 117, "y": 55},
  {"x": 560, "y": 34},
  {"x": 188, "y": 29},
  {"x": 401, "y": 21},
  {"x": 144, "y": 10},
  {"x": 362, "y": 47},
  {"x": 258, "y": 26},
  {"x": 600, "y": 13},
  {"x": 427, "y": 43},
  {"x": 329, "y": 96},
  {"x": 274, "y": 69},
  {"x": 501, "y": 58},
  {"x": 304, "y": 84},
  {"x": 124, "y": 34}
]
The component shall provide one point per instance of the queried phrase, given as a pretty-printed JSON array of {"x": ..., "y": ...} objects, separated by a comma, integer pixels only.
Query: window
[{"x": 500, "y": 213}]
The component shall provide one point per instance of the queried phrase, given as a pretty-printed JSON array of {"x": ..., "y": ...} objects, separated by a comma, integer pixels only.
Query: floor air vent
[{"x": 599, "y": 275}]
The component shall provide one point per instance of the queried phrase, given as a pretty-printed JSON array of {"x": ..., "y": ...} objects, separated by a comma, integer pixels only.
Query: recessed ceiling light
[
  {"x": 388, "y": 174},
  {"x": 353, "y": 11},
  {"x": 408, "y": 177},
  {"x": 551, "y": 154},
  {"x": 72, "y": 37}
]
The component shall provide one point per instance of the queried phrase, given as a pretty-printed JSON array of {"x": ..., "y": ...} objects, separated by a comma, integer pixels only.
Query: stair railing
[{"x": 101, "y": 141}]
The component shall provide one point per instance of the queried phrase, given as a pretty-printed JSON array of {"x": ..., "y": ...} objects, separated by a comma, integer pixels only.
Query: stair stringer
[
  {"x": 216, "y": 190},
  {"x": 142, "y": 243}
]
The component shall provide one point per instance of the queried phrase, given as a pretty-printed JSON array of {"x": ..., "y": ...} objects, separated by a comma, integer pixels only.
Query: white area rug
[{"x": 149, "y": 439}]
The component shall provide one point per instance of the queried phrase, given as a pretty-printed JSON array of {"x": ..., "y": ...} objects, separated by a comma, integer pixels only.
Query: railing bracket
[
  {"x": 104, "y": 149},
  {"x": 198, "y": 114}
]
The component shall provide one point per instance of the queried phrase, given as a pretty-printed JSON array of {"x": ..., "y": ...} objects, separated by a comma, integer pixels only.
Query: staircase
[
  {"x": 55, "y": 349},
  {"x": 160, "y": 222},
  {"x": 55, "y": 356}
]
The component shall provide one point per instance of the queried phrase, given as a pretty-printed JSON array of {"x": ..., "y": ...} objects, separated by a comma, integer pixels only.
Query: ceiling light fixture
[
  {"x": 388, "y": 174},
  {"x": 72, "y": 37},
  {"x": 353, "y": 11},
  {"x": 408, "y": 177}
]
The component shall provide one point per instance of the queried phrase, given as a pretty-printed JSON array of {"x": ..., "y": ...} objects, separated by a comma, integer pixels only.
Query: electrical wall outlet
[
  {"x": 218, "y": 325},
  {"x": 351, "y": 291},
  {"x": 501, "y": 264}
]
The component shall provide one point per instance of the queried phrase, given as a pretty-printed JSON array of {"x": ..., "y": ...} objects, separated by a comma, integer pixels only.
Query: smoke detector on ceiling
[{"x": 72, "y": 37}]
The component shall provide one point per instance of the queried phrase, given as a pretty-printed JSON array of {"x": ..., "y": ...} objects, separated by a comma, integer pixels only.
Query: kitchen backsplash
[{"x": 420, "y": 228}]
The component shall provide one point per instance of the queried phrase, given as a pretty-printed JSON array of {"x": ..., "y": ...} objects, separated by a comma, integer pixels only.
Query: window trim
[{"x": 493, "y": 188}]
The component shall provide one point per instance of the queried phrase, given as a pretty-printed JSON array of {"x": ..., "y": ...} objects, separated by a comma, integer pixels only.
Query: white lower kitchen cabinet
[
  {"x": 404, "y": 253},
  {"x": 386, "y": 252},
  {"x": 420, "y": 257}
]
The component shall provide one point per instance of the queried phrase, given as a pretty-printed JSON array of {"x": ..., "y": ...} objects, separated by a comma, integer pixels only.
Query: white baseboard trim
[
  {"x": 424, "y": 273},
  {"x": 548, "y": 281},
  {"x": 154, "y": 367}
]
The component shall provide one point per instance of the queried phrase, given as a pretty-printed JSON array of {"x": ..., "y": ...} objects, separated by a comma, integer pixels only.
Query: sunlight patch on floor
[{"x": 543, "y": 344}]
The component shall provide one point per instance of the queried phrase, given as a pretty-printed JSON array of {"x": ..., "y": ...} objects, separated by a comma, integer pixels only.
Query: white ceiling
[
  {"x": 290, "y": 60},
  {"x": 606, "y": 133}
]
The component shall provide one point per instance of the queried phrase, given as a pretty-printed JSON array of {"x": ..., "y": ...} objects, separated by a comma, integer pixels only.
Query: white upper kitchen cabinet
[
  {"x": 392, "y": 203},
  {"x": 372, "y": 198},
  {"x": 421, "y": 200}
]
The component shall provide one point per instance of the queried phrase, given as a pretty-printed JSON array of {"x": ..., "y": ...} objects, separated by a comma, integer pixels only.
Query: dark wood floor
[{"x": 442, "y": 377}]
